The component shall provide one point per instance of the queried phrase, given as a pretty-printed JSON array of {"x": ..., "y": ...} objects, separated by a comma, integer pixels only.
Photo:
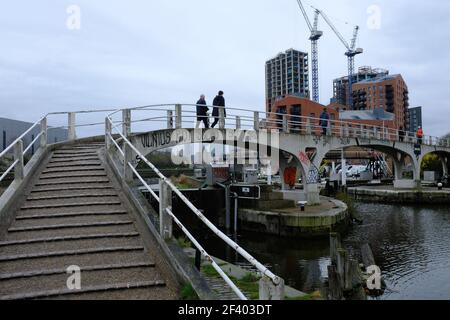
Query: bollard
[
  {"x": 165, "y": 201},
  {"x": 269, "y": 291},
  {"x": 18, "y": 156}
]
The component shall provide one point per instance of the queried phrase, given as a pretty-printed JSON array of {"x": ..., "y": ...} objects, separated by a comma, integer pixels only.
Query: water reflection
[{"x": 410, "y": 244}]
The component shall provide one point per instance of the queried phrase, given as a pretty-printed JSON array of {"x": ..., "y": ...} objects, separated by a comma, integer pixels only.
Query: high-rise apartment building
[
  {"x": 287, "y": 74},
  {"x": 415, "y": 119},
  {"x": 389, "y": 93},
  {"x": 340, "y": 85}
]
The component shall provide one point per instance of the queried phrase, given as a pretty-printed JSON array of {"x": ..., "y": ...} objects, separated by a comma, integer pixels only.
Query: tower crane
[
  {"x": 351, "y": 53},
  {"x": 315, "y": 36}
]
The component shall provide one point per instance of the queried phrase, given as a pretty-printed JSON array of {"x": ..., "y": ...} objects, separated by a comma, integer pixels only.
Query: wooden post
[
  {"x": 18, "y": 156},
  {"x": 165, "y": 201},
  {"x": 335, "y": 244},
  {"x": 44, "y": 132},
  {"x": 340, "y": 265},
  {"x": 334, "y": 284}
]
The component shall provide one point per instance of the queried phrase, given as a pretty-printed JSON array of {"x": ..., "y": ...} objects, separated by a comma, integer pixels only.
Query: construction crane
[
  {"x": 315, "y": 36},
  {"x": 351, "y": 53}
]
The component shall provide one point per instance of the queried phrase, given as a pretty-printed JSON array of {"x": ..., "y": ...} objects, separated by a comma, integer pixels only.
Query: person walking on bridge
[
  {"x": 419, "y": 135},
  {"x": 324, "y": 119},
  {"x": 202, "y": 112},
  {"x": 219, "y": 102}
]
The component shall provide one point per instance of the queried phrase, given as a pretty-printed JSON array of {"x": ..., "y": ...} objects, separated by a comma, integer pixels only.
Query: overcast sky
[{"x": 136, "y": 52}]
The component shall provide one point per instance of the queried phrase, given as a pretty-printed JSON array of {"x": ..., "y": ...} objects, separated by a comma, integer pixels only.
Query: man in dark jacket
[
  {"x": 219, "y": 101},
  {"x": 202, "y": 110}
]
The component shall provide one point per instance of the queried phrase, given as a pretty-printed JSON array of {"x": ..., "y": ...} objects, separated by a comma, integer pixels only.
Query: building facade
[
  {"x": 340, "y": 85},
  {"x": 389, "y": 93},
  {"x": 287, "y": 74},
  {"x": 415, "y": 119},
  {"x": 11, "y": 129}
]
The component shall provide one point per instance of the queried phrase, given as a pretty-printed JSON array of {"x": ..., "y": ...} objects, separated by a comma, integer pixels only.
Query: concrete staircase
[
  {"x": 269, "y": 201},
  {"x": 74, "y": 216}
]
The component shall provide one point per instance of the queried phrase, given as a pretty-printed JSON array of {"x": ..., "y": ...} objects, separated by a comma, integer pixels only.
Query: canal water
[{"x": 411, "y": 245}]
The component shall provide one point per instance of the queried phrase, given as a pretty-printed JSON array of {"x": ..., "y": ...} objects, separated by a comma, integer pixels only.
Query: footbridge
[{"x": 73, "y": 207}]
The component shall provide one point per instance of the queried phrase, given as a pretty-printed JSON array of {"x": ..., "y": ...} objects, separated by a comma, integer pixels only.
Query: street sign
[{"x": 246, "y": 191}]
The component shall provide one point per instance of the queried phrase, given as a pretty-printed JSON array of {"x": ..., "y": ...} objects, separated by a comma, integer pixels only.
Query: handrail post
[
  {"x": 238, "y": 122},
  {"x": 329, "y": 129},
  {"x": 18, "y": 156},
  {"x": 270, "y": 291},
  {"x": 308, "y": 126},
  {"x": 178, "y": 120},
  {"x": 256, "y": 120},
  {"x": 72, "y": 135},
  {"x": 44, "y": 132},
  {"x": 108, "y": 131},
  {"x": 285, "y": 123},
  {"x": 165, "y": 202},
  {"x": 221, "y": 117},
  {"x": 126, "y": 122},
  {"x": 169, "y": 119},
  {"x": 127, "y": 158}
]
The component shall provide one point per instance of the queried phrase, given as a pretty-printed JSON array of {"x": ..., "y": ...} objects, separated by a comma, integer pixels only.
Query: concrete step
[
  {"x": 70, "y": 220},
  {"x": 91, "y": 236},
  {"x": 62, "y": 262},
  {"x": 51, "y": 195},
  {"x": 68, "y": 253},
  {"x": 74, "y": 197},
  {"x": 73, "y": 169},
  {"x": 77, "y": 202},
  {"x": 70, "y": 181},
  {"x": 49, "y": 176},
  {"x": 67, "y": 232},
  {"x": 72, "y": 188},
  {"x": 101, "y": 207},
  {"x": 68, "y": 245},
  {"x": 72, "y": 160},
  {"x": 90, "y": 289},
  {"x": 271, "y": 196},
  {"x": 79, "y": 225},
  {"x": 80, "y": 164},
  {"x": 70, "y": 214}
]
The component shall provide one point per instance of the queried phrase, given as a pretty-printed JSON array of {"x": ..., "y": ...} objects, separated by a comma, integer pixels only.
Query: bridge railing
[
  {"x": 184, "y": 116},
  {"x": 271, "y": 286}
]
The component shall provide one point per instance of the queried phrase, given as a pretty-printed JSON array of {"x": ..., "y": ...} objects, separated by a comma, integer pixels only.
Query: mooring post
[
  {"x": 270, "y": 291},
  {"x": 18, "y": 156},
  {"x": 334, "y": 284},
  {"x": 72, "y": 135},
  {"x": 165, "y": 201},
  {"x": 44, "y": 133},
  {"x": 335, "y": 244}
]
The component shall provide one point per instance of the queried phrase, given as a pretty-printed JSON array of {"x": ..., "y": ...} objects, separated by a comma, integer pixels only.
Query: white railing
[{"x": 167, "y": 216}]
